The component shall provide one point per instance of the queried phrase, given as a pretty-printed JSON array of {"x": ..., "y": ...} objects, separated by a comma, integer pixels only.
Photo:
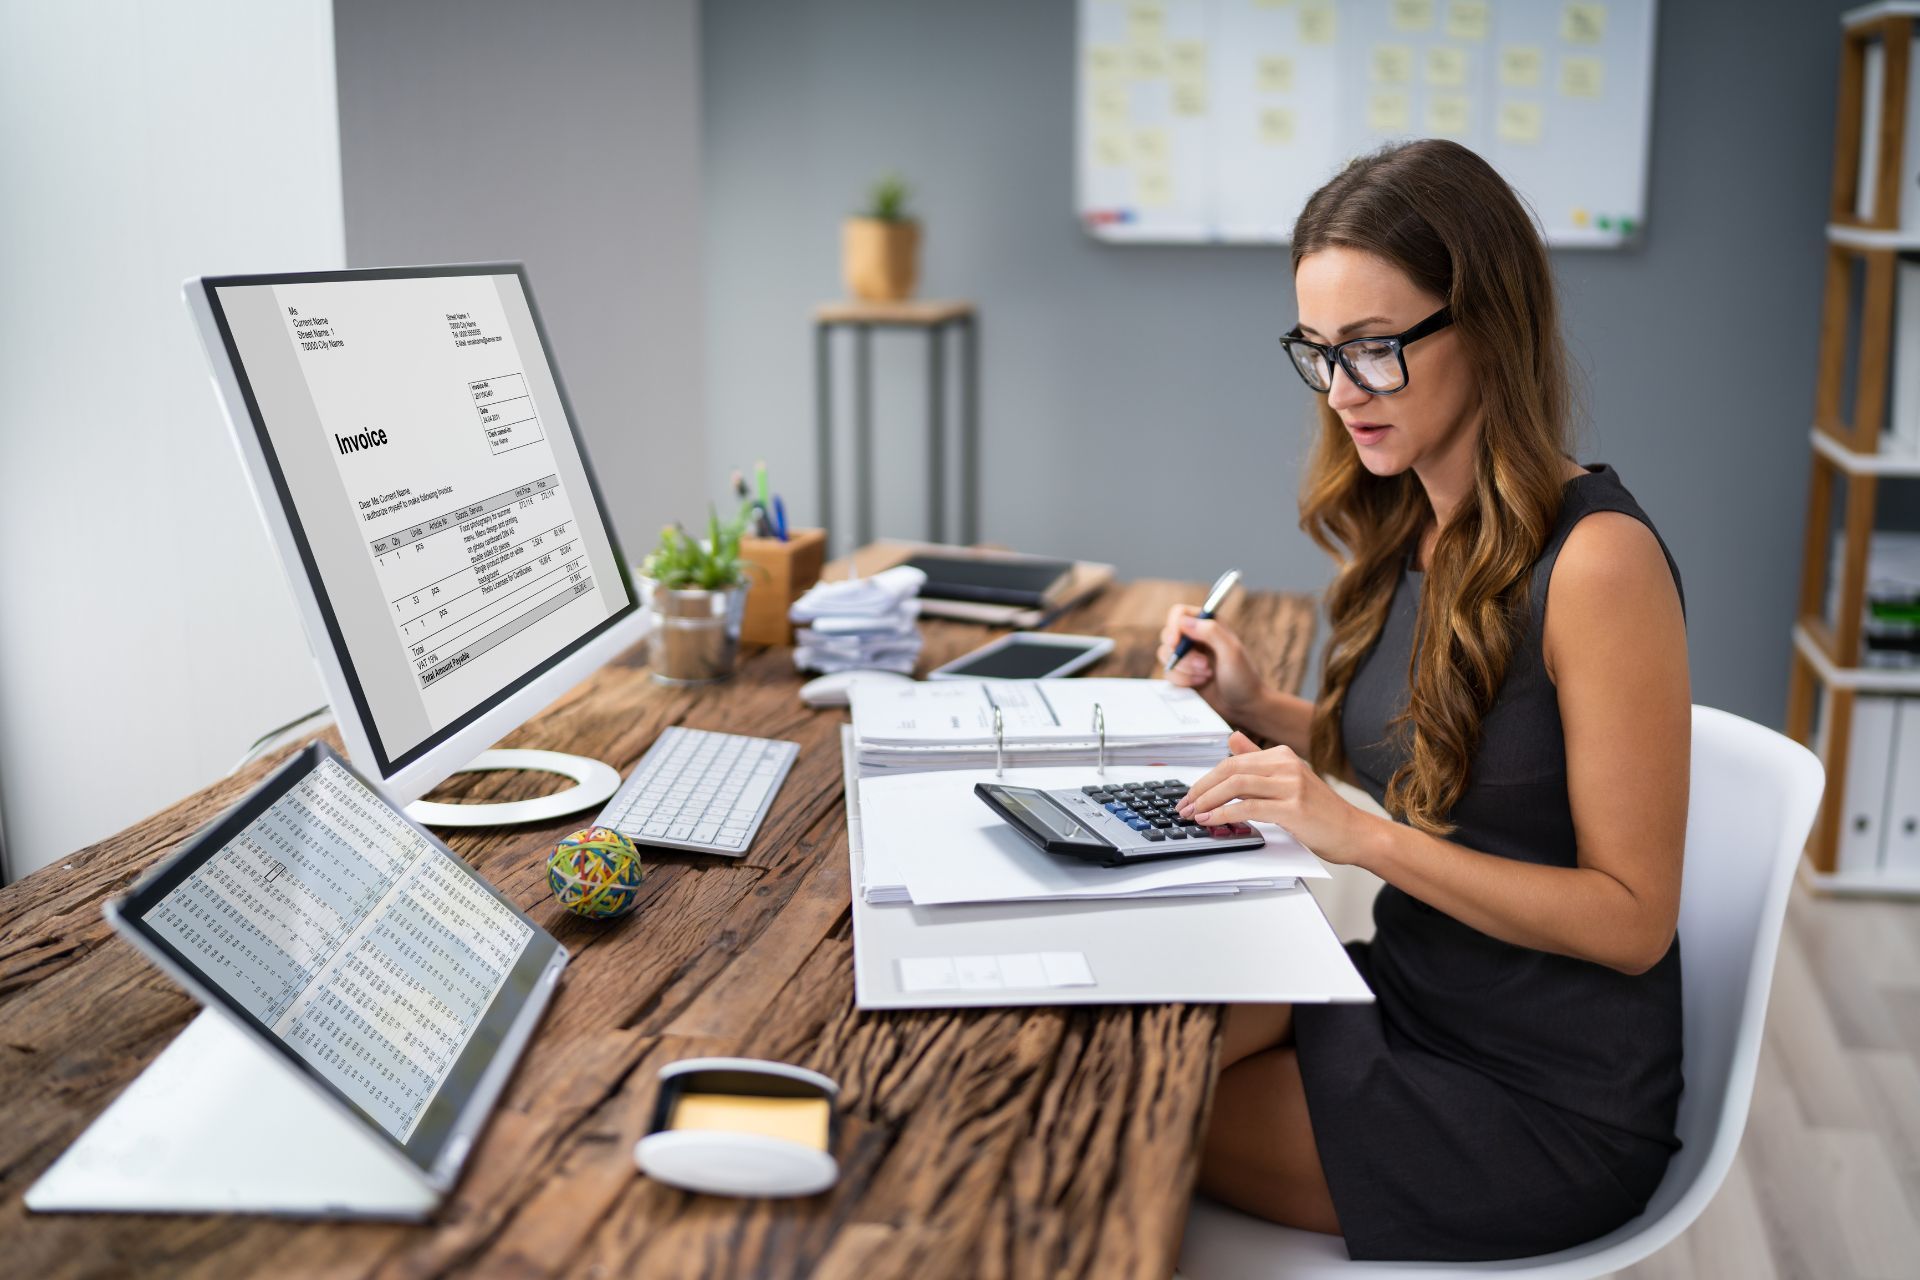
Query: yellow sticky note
[
  {"x": 1579, "y": 217},
  {"x": 1274, "y": 74},
  {"x": 1316, "y": 22},
  {"x": 1449, "y": 115},
  {"x": 1146, "y": 24},
  {"x": 1276, "y": 126},
  {"x": 1110, "y": 148},
  {"x": 1190, "y": 96},
  {"x": 801, "y": 1120},
  {"x": 1580, "y": 76},
  {"x": 1467, "y": 20},
  {"x": 1188, "y": 57},
  {"x": 1391, "y": 63},
  {"x": 1155, "y": 188},
  {"x": 1446, "y": 66},
  {"x": 1110, "y": 104},
  {"x": 1388, "y": 111},
  {"x": 1105, "y": 62},
  {"x": 1150, "y": 147},
  {"x": 1411, "y": 15},
  {"x": 1520, "y": 66},
  {"x": 1583, "y": 23},
  {"x": 1519, "y": 122},
  {"x": 1147, "y": 62}
]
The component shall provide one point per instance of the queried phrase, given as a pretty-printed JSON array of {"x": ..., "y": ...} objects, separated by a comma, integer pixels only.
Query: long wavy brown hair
[{"x": 1442, "y": 215}]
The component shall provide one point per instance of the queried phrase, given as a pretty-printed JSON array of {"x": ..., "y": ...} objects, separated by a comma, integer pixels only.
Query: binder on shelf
[
  {"x": 1901, "y": 438},
  {"x": 1863, "y": 801},
  {"x": 1873, "y": 91},
  {"x": 1900, "y": 843}
]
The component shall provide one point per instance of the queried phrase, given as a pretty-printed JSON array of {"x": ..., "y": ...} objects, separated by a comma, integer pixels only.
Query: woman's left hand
[{"x": 1276, "y": 786}]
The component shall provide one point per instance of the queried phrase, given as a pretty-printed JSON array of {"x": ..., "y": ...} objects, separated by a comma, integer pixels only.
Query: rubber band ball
[{"x": 596, "y": 873}]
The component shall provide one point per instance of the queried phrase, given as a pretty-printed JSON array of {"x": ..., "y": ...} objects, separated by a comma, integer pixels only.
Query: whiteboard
[{"x": 1212, "y": 121}]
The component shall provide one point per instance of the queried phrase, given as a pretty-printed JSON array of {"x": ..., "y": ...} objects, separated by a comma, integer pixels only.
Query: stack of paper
[
  {"x": 949, "y": 724},
  {"x": 860, "y": 624},
  {"x": 928, "y": 840}
]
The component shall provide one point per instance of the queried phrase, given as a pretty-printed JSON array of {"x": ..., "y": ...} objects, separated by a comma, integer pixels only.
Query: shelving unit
[{"x": 1846, "y": 450}]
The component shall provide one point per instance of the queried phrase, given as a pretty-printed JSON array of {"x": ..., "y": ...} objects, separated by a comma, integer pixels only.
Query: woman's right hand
[{"x": 1217, "y": 664}]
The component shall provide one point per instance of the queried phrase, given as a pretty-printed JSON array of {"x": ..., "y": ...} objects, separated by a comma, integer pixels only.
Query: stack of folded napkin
[{"x": 860, "y": 624}]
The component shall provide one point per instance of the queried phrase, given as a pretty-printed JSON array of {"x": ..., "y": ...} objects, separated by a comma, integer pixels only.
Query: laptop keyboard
[{"x": 699, "y": 790}]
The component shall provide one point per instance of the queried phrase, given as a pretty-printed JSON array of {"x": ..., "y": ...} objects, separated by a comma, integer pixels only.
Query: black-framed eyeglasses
[{"x": 1377, "y": 366}]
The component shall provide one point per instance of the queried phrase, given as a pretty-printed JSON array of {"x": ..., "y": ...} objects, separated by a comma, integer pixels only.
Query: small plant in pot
[
  {"x": 696, "y": 593},
  {"x": 880, "y": 248}
]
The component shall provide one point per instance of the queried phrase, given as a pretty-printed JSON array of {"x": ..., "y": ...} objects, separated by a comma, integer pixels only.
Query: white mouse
[{"x": 836, "y": 690}]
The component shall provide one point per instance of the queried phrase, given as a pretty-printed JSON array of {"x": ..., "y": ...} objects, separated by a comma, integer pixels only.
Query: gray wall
[
  {"x": 1149, "y": 376},
  {"x": 566, "y": 136}
]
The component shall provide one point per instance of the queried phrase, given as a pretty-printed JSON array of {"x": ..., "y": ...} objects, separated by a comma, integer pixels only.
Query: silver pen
[{"x": 1215, "y": 598}]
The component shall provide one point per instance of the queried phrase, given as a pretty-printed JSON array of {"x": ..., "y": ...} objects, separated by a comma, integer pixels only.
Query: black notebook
[{"x": 1025, "y": 582}]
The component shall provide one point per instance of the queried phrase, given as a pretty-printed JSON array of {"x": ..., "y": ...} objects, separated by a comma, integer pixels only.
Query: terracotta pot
[{"x": 880, "y": 260}]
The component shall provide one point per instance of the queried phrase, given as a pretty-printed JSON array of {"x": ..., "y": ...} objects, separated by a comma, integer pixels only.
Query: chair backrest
[{"x": 1750, "y": 804}]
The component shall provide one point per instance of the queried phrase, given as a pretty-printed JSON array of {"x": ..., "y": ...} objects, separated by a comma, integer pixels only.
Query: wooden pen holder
[{"x": 781, "y": 574}]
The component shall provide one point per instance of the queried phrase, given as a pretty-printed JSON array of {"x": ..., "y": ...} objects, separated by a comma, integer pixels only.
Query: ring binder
[
  {"x": 1000, "y": 725},
  {"x": 1099, "y": 737}
]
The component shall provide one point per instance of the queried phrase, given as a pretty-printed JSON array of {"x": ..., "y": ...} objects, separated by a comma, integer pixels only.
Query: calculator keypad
[{"x": 1143, "y": 817}]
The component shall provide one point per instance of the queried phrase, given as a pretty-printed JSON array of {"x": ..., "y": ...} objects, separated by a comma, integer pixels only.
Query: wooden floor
[{"x": 1827, "y": 1182}]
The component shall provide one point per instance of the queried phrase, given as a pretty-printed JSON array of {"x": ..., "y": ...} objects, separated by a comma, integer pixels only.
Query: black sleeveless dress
[{"x": 1494, "y": 1101}]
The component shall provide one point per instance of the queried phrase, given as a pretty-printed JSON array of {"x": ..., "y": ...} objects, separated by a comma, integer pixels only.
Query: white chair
[{"x": 1750, "y": 806}]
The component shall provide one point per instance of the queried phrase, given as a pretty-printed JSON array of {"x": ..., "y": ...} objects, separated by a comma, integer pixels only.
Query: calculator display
[{"x": 1035, "y": 808}]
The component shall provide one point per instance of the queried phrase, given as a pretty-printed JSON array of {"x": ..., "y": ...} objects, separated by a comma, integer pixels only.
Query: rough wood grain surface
[{"x": 1020, "y": 1142}]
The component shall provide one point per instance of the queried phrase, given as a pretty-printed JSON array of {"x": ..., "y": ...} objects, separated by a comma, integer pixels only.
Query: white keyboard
[{"x": 699, "y": 790}]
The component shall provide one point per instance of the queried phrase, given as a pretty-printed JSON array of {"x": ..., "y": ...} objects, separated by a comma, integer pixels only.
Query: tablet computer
[
  {"x": 1026, "y": 655},
  {"x": 357, "y": 948}
]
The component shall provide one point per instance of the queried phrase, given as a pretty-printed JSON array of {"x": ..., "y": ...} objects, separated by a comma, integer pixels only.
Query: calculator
[{"x": 1115, "y": 824}]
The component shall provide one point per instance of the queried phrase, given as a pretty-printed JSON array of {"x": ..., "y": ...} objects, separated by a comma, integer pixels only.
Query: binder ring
[{"x": 1099, "y": 737}]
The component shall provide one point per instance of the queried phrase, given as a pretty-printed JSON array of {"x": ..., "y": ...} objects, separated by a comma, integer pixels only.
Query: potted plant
[
  {"x": 696, "y": 593},
  {"x": 880, "y": 249}
]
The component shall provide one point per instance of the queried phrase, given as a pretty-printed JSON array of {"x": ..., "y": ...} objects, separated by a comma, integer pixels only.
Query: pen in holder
[{"x": 1099, "y": 738}]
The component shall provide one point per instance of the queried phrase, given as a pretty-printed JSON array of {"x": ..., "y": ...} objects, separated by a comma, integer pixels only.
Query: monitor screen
[{"x": 431, "y": 471}]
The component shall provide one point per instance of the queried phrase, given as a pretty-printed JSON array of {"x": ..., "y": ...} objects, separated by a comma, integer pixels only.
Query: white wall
[{"x": 146, "y": 633}]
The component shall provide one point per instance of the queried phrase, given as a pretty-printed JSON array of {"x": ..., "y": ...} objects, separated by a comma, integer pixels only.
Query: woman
[{"x": 1507, "y": 675}]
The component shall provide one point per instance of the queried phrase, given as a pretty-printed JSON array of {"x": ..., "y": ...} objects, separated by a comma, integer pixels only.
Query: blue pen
[
  {"x": 779, "y": 518},
  {"x": 1215, "y": 598}
]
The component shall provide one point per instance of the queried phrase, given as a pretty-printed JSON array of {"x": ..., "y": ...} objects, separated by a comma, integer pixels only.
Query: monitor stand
[
  {"x": 218, "y": 1124},
  {"x": 594, "y": 784}
]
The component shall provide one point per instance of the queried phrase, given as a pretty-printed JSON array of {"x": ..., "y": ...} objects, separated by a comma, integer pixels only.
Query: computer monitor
[{"x": 416, "y": 460}]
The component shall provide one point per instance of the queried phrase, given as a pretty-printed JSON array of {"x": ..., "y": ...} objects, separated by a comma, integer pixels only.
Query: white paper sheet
[{"x": 928, "y": 833}]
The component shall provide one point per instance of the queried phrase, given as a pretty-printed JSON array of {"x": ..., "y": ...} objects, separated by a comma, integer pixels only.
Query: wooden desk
[{"x": 1002, "y": 1142}]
